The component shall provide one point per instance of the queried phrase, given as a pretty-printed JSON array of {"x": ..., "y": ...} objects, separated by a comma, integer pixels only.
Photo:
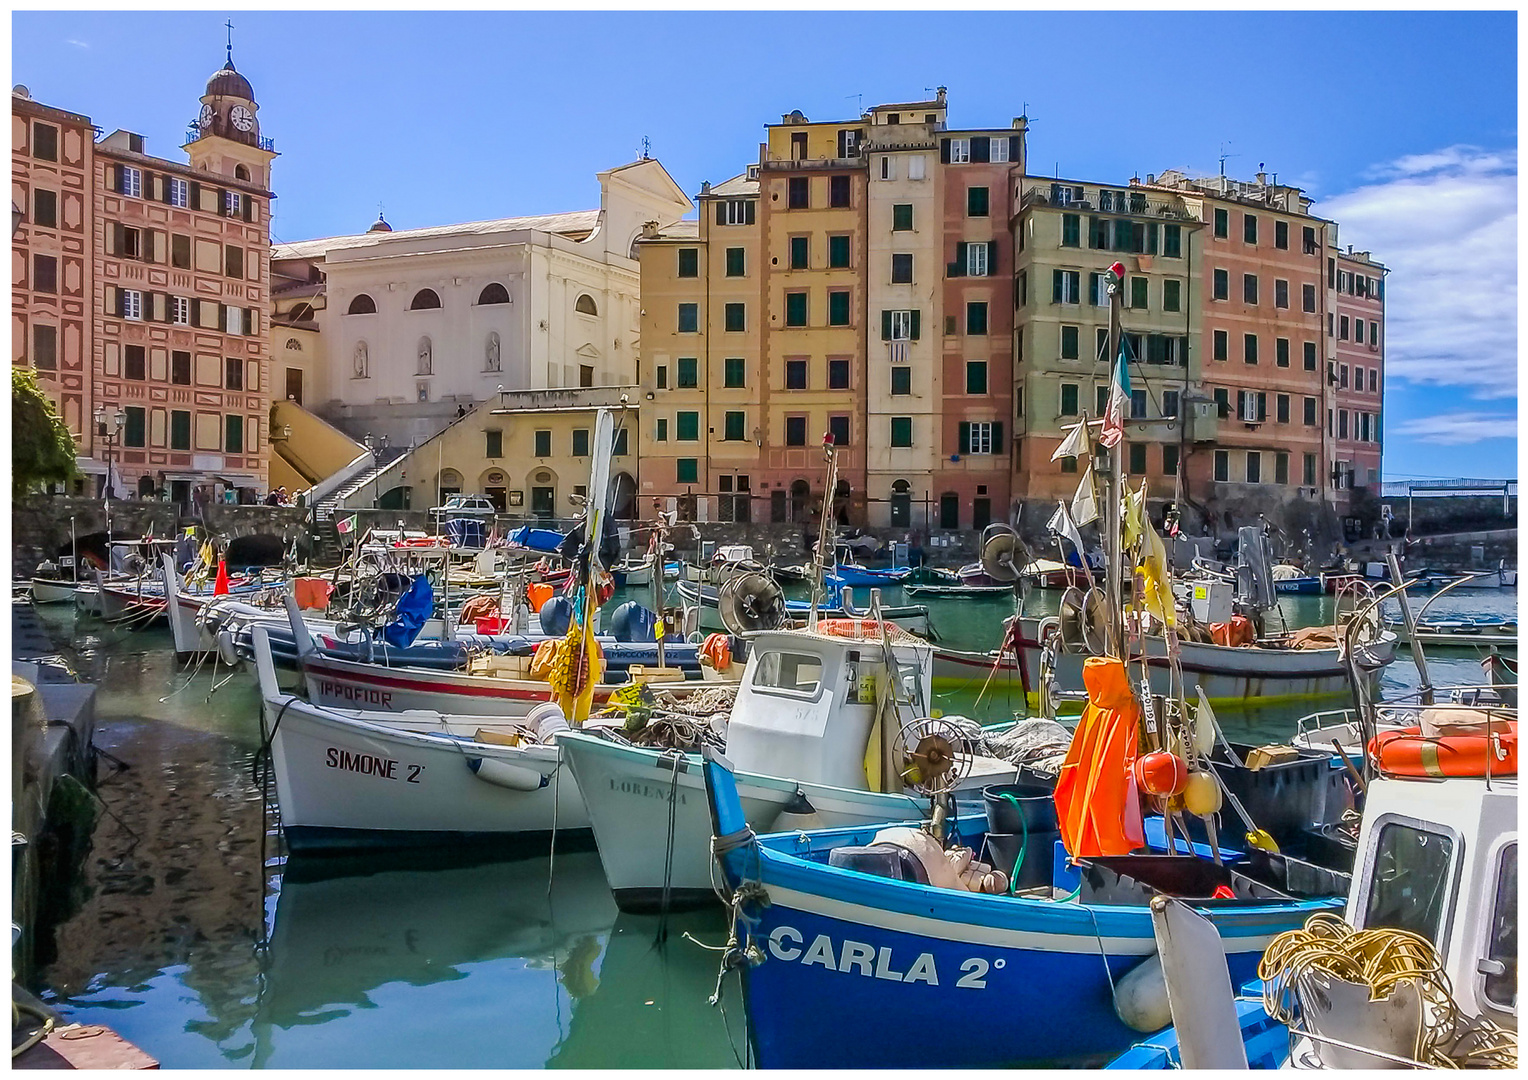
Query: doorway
[
  {"x": 543, "y": 502},
  {"x": 901, "y": 505},
  {"x": 981, "y": 513},
  {"x": 801, "y": 493},
  {"x": 294, "y": 384},
  {"x": 949, "y": 510}
]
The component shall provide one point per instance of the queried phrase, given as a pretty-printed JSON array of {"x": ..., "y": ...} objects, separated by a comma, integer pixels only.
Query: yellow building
[{"x": 528, "y": 452}]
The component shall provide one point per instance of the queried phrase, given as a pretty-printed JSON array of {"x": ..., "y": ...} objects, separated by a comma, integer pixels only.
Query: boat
[
  {"x": 911, "y": 617},
  {"x": 1499, "y": 578},
  {"x": 1290, "y": 580},
  {"x": 853, "y": 574},
  {"x": 1501, "y": 676},
  {"x": 53, "y": 590},
  {"x": 828, "y": 945},
  {"x": 1461, "y": 632},
  {"x": 812, "y": 704},
  {"x": 960, "y": 591},
  {"x": 633, "y": 571}
]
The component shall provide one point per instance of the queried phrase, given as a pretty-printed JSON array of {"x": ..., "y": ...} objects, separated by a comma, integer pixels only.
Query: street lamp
[
  {"x": 109, "y": 427},
  {"x": 377, "y": 448}
]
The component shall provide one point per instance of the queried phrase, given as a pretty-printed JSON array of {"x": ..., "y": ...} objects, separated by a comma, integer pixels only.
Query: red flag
[{"x": 220, "y": 587}]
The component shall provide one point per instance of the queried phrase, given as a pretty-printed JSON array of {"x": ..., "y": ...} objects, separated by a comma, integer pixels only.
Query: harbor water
[{"x": 190, "y": 935}]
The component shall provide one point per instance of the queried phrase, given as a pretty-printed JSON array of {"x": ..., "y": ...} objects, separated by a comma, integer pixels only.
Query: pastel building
[{"x": 1356, "y": 372}]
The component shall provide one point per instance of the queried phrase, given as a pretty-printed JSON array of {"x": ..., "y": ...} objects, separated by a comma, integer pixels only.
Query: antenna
[
  {"x": 1223, "y": 156},
  {"x": 229, "y": 24},
  {"x": 646, "y": 147},
  {"x": 859, "y": 100}
]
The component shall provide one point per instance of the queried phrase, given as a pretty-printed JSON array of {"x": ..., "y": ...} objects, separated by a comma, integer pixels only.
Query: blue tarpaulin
[
  {"x": 546, "y": 540},
  {"x": 465, "y": 532},
  {"x": 414, "y": 607}
]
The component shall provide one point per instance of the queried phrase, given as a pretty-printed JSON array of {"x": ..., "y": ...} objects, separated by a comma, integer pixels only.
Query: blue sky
[{"x": 1403, "y": 126}]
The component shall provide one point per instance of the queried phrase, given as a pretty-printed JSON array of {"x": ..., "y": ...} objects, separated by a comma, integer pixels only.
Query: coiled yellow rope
[{"x": 1381, "y": 959}]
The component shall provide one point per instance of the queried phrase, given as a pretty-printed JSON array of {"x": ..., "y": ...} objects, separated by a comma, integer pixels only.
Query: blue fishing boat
[
  {"x": 855, "y": 575},
  {"x": 968, "y": 980}
]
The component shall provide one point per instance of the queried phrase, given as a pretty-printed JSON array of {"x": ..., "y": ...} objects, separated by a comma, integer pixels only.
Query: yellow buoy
[{"x": 1201, "y": 794}]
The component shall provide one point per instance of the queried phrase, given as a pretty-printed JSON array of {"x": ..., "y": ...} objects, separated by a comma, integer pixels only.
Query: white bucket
[{"x": 547, "y": 719}]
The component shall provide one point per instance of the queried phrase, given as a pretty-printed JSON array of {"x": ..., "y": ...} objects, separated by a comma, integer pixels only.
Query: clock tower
[{"x": 228, "y": 141}]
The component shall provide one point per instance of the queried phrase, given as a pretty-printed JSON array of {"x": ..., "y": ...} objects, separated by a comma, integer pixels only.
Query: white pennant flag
[
  {"x": 1075, "y": 444},
  {"x": 1084, "y": 505},
  {"x": 1061, "y": 522}
]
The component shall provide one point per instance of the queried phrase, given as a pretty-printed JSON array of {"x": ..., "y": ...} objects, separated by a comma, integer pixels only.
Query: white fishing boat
[
  {"x": 707, "y": 600},
  {"x": 349, "y": 779},
  {"x": 53, "y": 590}
]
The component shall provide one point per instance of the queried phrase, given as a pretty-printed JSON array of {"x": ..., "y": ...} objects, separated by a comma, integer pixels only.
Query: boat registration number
[
  {"x": 788, "y": 944},
  {"x": 385, "y": 768},
  {"x": 365, "y": 695}
]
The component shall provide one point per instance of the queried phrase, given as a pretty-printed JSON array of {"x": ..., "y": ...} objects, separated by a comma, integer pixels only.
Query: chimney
[
  {"x": 705, "y": 187},
  {"x": 1262, "y": 177},
  {"x": 649, "y": 230},
  {"x": 939, "y": 94},
  {"x": 1150, "y": 179}
]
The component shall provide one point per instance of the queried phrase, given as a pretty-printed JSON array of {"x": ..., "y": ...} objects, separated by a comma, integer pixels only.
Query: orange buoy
[
  {"x": 1160, "y": 773},
  {"x": 1407, "y": 752}
]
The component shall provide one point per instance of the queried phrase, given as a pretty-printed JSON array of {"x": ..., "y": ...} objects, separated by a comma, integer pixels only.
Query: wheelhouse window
[
  {"x": 1501, "y": 949},
  {"x": 1410, "y": 881},
  {"x": 792, "y": 673}
]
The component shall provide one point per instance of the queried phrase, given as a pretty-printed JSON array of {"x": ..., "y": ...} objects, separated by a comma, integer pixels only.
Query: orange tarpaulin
[
  {"x": 1096, "y": 800},
  {"x": 311, "y": 593},
  {"x": 220, "y": 585}
]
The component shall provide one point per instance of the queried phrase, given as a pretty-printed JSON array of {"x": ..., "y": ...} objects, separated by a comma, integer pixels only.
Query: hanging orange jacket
[
  {"x": 311, "y": 593},
  {"x": 1096, "y": 801}
]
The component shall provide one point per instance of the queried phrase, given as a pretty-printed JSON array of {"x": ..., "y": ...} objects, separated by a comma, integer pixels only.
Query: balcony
[
  {"x": 1130, "y": 204},
  {"x": 896, "y": 351},
  {"x": 808, "y": 164}
]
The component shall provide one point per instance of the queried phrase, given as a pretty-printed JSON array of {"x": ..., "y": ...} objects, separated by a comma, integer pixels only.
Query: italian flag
[{"x": 1119, "y": 401}]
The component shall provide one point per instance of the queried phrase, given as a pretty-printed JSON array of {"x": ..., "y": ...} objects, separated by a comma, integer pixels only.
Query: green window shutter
[
  {"x": 997, "y": 438},
  {"x": 734, "y": 429},
  {"x": 902, "y": 431},
  {"x": 1013, "y": 148},
  {"x": 944, "y": 151},
  {"x": 981, "y": 148},
  {"x": 687, "y": 426},
  {"x": 838, "y": 309},
  {"x": 976, "y": 202},
  {"x": 958, "y": 267},
  {"x": 748, "y": 212},
  {"x": 687, "y": 470},
  {"x": 721, "y": 212},
  {"x": 916, "y": 323},
  {"x": 965, "y": 438},
  {"x": 886, "y": 326}
]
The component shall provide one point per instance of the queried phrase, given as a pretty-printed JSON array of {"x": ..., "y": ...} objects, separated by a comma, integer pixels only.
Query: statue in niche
[
  {"x": 360, "y": 361},
  {"x": 426, "y": 358},
  {"x": 493, "y": 361}
]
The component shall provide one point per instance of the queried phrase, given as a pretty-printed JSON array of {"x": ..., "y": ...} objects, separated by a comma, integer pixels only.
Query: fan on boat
[
  {"x": 751, "y": 602},
  {"x": 1084, "y": 620},
  {"x": 932, "y": 755},
  {"x": 1002, "y": 553}
]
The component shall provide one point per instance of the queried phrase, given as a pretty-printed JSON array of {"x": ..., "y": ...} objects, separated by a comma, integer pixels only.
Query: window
[
  {"x": 1249, "y": 288},
  {"x": 795, "y": 673},
  {"x": 233, "y": 434},
  {"x": 976, "y": 376},
  {"x": 1069, "y": 343},
  {"x": 1249, "y": 228},
  {"x": 1169, "y": 459},
  {"x": 1172, "y": 295},
  {"x": 1363, "y": 427},
  {"x": 733, "y": 424},
  {"x": 795, "y": 375},
  {"x": 1281, "y": 352},
  {"x": 45, "y": 208},
  {"x": 838, "y": 307},
  {"x": 1138, "y": 287},
  {"x": 1342, "y": 424},
  {"x": 1374, "y": 380},
  {"x": 1254, "y": 467},
  {"x": 1137, "y": 459},
  {"x": 132, "y": 304},
  {"x": 1309, "y": 470},
  {"x": 1066, "y": 286},
  {"x": 178, "y": 192},
  {"x": 886, "y": 167},
  {"x": 1098, "y": 233},
  {"x": 838, "y": 191},
  {"x": 180, "y": 368},
  {"x": 180, "y": 429},
  {"x": 233, "y": 262},
  {"x": 687, "y": 470},
  {"x": 1342, "y": 376},
  {"x": 732, "y": 372},
  {"x": 915, "y": 167},
  {"x": 960, "y": 151},
  {"x": 1098, "y": 290},
  {"x": 662, "y": 377},
  {"x": 1309, "y": 415},
  {"x": 180, "y": 310},
  {"x": 1281, "y": 411},
  {"x": 1342, "y": 328},
  {"x": 1071, "y": 230},
  {"x": 233, "y": 320},
  {"x": 661, "y": 435},
  {"x": 838, "y": 252},
  {"x": 901, "y": 217},
  {"x": 130, "y": 181},
  {"x": 838, "y": 427},
  {"x": 1358, "y": 331},
  {"x": 580, "y": 442},
  {"x": 1100, "y": 399},
  {"x": 901, "y": 269},
  {"x": 795, "y": 431},
  {"x": 838, "y": 374},
  {"x": 541, "y": 443},
  {"x": 899, "y": 325},
  {"x": 800, "y": 249},
  {"x": 1310, "y": 356},
  {"x": 976, "y": 202},
  {"x": 978, "y": 258},
  {"x": 618, "y": 447},
  {"x": 795, "y": 309},
  {"x": 733, "y": 319},
  {"x": 1068, "y": 399},
  {"x": 689, "y": 318},
  {"x": 1222, "y": 457},
  {"x": 983, "y": 437},
  {"x": 1172, "y": 241},
  {"x": 1222, "y": 402},
  {"x": 687, "y": 426},
  {"x": 689, "y": 262},
  {"x": 1220, "y": 340},
  {"x": 425, "y": 300},
  {"x": 734, "y": 262},
  {"x": 44, "y": 347},
  {"x": 232, "y": 204},
  {"x": 901, "y": 431},
  {"x": 1280, "y": 293},
  {"x": 1308, "y": 235},
  {"x": 133, "y": 430},
  {"x": 687, "y": 375},
  {"x": 1412, "y": 880},
  {"x": 976, "y": 317},
  {"x": 1249, "y": 348},
  {"x": 735, "y": 212},
  {"x": 1222, "y": 224},
  {"x": 1222, "y": 285},
  {"x": 44, "y": 273},
  {"x": 180, "y": 258},
  {"x": 901, "y": 381},
  {"x": 1501, "y": 948},
  {"x": 133, "y": 366},
  {"x": 44, "y": 141},
  {"x": 798, "y": 198}
]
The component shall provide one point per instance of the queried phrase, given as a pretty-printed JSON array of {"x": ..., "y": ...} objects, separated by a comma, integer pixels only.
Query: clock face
[
  {"x": 242, "y": 118},
  {"x": 206, "y": 117}
]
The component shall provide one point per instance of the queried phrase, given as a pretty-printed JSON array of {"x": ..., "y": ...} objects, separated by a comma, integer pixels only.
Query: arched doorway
[
  {"x": 495, "y": 485},
  {"x": 623, "y": 503},
  {"x": 544, "y": 494},
  {"x": 901, "y": 505},
  {"x": 448, "y": 483},
  {"x": 397, "y": 498},
  {"x": 145, "y": 487},
  {"x": 801, "y": 494}
]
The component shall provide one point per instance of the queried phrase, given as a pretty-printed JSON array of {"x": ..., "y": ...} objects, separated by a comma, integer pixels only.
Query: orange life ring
[
  {"x": 717, "y": 648},
  {"x": 859, "y": 629},
  {"x": 1407, "y": 752}
]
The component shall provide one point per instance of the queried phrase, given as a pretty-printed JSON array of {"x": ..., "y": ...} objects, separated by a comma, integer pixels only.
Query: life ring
[
  {"x": 860, "y": 629},
  {"x": 1407, "y": 752},
  {"x": 716, "y": 650}
]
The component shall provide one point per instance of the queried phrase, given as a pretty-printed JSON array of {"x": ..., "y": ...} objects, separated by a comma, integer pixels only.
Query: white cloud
[
  {"x": 77, "y": 44},
  {"x": 1458, "y": 429},
  {"x": 1445, "y": 223}
]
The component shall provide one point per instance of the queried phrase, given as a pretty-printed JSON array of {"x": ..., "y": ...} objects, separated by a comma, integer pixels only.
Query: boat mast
[
  {"x": 1114, "y": 558},
  {"x": 825, "y": 550}
]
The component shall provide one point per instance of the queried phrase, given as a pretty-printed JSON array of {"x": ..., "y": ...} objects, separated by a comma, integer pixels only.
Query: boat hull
[{"x": 53, "y": 591}]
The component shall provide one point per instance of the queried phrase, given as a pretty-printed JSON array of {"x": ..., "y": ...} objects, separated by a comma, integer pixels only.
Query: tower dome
[
  {"x": 380, "y": 225},
  {"x": 226, "y": 82}
]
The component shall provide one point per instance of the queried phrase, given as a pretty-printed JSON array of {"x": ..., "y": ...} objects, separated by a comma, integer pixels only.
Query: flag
[
  {"x": 1075, "y": 444},
  {"x": 220, "y": 588},
  {"x": 1119, "y": 401},
  {"x": 190, "y": 530},
  {"x": 1084, "y": 505},
  {"x": 346, "y": 525},
  {"x": 1061, "y": 522}
]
